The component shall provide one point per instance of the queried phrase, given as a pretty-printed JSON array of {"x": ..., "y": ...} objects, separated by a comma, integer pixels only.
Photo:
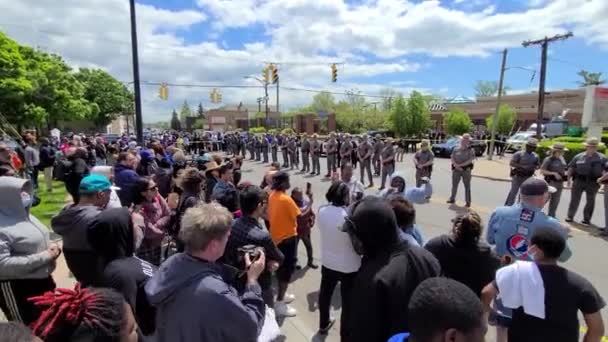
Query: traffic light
[
  {"x": 219, "y": 97},
  {"x": 275, "y": 73},
  {"x": 265, "y": 75},
  {"x": 215, "y": 96},
  {"x": 334, "y": 73},
  {"x": 163, "y": 91}
]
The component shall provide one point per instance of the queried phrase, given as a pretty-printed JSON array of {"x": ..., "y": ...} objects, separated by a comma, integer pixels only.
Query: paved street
[{"x": 434, "y": 218}]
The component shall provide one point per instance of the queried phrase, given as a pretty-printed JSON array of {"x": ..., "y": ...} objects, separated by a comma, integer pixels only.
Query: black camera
[{"x": 252, "y": 250}]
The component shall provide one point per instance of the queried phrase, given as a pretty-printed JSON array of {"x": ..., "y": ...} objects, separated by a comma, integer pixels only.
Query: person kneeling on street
[{"x": 193, "y": 300}]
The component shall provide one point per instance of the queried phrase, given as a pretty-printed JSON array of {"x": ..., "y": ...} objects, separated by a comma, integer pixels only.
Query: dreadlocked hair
[
  {"x": 468, "y": 228},
  {"x": 92, "y": 314}
]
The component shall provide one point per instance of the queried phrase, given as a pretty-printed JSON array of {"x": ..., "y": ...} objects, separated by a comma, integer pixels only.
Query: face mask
[{"x": 26, "y": 200}]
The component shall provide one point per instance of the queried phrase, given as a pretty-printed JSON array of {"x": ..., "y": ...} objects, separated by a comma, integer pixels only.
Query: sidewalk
[{"x": 496, "y": 169}]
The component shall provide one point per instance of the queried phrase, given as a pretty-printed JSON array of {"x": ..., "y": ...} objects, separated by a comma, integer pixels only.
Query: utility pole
[
  {"x": 544, "y": 43},
  {"x": 498, "y": 99},
  {"x": 139, "y": 126},
  {"x": 277, "y": 95},
  {"x": 266, "y": 101}
]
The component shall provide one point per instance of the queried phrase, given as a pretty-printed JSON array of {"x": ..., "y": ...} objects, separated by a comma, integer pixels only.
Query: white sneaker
[
  {"x": 288, "y": 298},
  {"x": 282, "y": 309}
]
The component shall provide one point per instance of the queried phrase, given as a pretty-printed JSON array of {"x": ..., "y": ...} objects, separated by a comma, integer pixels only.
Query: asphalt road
[{"x": 434, "y": 217}]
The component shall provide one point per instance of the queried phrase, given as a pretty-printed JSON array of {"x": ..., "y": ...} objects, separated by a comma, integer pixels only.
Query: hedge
[
  {"x": 574, "y": 148},
  {"x": 257, "y": 130}
]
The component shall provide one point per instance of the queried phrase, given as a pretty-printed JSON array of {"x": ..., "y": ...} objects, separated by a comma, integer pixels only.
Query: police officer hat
[
  {"x": 558, "y": 147},
  {"x": 593, "y": 142},
  {"x": 535, "y": 187},
  {"x": 532, "y": 142},
  {"x": 425, "y": 142}
]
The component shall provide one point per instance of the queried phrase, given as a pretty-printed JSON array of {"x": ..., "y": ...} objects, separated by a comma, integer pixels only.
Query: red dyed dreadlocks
[{"x": 78, "y": 311}]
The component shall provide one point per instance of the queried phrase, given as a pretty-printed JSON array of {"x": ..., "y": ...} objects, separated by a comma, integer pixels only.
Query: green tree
[
  {"x": 185, "y": 112},
  {"x": 418, "y": 114},
  {"x": 108, "y": 96},
  {"x": 323, "y": 102},
  {"x": 175, "y": 123},
  {"x": 506, "y": 117},
  {"x": 388, "y": 95},
  {"x": 200, "y": 112},
  {"x": 488, "y": 88},
  {"x": 590, "y": 78},
  {"x": 399, "y": 116},
  {"x": 14, "y": 81},
  {"x": 457, "y": 122}
]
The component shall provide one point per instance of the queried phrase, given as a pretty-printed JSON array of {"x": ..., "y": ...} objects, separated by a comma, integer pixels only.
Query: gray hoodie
[
  {"x": 73, "y": 223},
  {"x": 24, "y": 241},
  {"x": 195, "y": 304}
]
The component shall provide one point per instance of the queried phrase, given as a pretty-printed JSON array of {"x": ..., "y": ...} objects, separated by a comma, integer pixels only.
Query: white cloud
[{"x": 372, "y": 38}]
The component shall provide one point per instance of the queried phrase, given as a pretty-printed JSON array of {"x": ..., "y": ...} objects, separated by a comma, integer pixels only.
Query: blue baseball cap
[{"x": 95, "y": 183}]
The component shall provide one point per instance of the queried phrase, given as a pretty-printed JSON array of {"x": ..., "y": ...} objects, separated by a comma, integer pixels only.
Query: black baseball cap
[{"x": 535, "y": 187}]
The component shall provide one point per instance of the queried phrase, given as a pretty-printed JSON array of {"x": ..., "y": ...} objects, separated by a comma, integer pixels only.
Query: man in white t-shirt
[{"x": 355, "y": 187}]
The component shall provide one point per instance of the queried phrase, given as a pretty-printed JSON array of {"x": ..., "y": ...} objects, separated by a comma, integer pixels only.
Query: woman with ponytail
[{"x": 462, "y": 256}]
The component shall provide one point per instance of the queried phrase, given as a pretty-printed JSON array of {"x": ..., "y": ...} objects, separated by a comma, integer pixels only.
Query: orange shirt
[{"x": 282, "y": 215}]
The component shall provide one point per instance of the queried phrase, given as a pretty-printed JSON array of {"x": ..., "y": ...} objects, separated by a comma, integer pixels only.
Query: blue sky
[{"x": 436, "y": 46}]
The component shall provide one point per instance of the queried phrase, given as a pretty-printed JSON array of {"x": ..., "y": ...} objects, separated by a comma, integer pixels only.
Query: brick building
[
  {"x": 568, "y": 102},
  {"x": 231, "y": 117}
]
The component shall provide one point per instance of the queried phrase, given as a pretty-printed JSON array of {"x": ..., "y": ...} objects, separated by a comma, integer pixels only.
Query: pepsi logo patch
[
  {"x": 526, "y": 215},
  {"x": 517, "y": 245}
]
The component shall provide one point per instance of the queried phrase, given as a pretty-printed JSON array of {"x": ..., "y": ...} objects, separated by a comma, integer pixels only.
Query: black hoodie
[{"x": 112, "y": 238}]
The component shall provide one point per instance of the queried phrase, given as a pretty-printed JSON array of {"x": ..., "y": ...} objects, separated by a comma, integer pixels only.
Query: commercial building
[
  {"x": 562, "y": 103},
  {"x": 241, "y": 116}
]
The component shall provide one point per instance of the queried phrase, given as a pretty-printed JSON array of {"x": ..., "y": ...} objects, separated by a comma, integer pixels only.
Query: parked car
[
  {"x": 445, "y": 149},
  {"x": 517, "y": 141}
]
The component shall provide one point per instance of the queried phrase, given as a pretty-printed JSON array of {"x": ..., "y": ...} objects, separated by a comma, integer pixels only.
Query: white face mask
[{"x": 26, "y": 200}]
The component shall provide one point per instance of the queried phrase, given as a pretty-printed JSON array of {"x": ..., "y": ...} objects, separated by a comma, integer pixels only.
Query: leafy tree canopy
[{"x": 457, "y": 122}]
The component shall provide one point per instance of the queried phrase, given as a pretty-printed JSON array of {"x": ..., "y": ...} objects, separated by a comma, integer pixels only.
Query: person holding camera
[
  {"x": 247, "y": 231},
  {"x": 187, "y": 282},
  {"x": 27, "y": 257}
]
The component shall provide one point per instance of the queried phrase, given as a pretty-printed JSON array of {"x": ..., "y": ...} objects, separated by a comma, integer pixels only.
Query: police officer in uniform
[
  {"x": 387, "y": 157},
  {"x": 423, "y": 160},
  {"x": 510, "y": 229},
  {"x": 315, "y": 147},
  {"x": 378, "y": 146},
  {"x": 604, "y": 180},
  {"x": 346, "y": 149},
  {"x": 284, "y": 150},
  {"x": 274, "y": 146},
  {"x": 251, "y": 146},
  {"x": 585, "y": 169},
  {"x": 364, "y": 153},
  {"x": 257, "y": 143},
  {"x": 463, "y": 157},
  {"x": 553, "y": 169},
  {"x": 265, "y": 148},
  {"x": 292, "y": 150},
  {"x": 331, "y": 151},
  {"x": 305, "y": 149},
  {"x": 523, "y": 165}
]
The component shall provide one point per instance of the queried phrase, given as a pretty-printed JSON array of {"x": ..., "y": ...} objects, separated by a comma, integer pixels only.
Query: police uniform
[
  {"x": 305, "y": 149},
  {"x": 459, "y": 156},
  {"x": 387, "y": 167},
  {"x": 364, "y": 152},
  {"x": 243, "y": 146},
  {"x": 332, "y": 148},
  {"x": 423, "y": 157},
  {"x": 257, "y": 144},
  {"x": 292, "y": 149},
  {"x": 315, "y": 147},
  {"x": 510, "y": 229},
  {"x": 251, "y": 146},
  {"x": 378, "y": 147},
  {"x": 585, "y": 170},
  {"x": 525, "y": 165},
  {"x": 274, "y": 146},
  {"x": 558, "y": 165},
  {"x": 346, "y": 151},
  {"x": 284, "y": 151},
  {"x": 265, "y": 148}
]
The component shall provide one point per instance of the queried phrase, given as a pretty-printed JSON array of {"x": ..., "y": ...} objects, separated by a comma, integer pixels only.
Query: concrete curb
[{"x": 492, "y": 178}]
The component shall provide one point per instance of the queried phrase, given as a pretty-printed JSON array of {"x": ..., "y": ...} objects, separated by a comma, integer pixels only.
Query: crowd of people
[{"x": 170, "y": 248}]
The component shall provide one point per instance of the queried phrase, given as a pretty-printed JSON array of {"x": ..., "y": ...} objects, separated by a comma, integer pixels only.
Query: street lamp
[{"x": 265, "y": 84}]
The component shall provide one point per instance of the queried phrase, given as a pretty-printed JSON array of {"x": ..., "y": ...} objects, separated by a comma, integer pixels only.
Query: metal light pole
[
  {"x": 265, "y": 84},
  {"x": 139, "y": 126}
]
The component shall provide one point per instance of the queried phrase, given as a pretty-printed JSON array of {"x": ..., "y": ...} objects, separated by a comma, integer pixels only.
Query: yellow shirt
[{"x": 282, "y": 215}]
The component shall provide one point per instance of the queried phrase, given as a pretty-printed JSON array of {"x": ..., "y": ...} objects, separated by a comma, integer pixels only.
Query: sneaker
[
  {"x": 586, "y": 222},
  {"x": 312, "y": 265},
  {"x": 568, "y": 219},
  {"x": 284, "y": 310},
  {"x": 468, "y": 205},
  {"x": 288, "y": 298},
  {"x": 325, "y": 330},
  {"x": 425, "y": 179},
  {"x": 451, "y": 201}
]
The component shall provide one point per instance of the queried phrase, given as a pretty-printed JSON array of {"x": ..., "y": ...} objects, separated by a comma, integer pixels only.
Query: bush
[
  {"x": 574, "y": 148},
  {"x": 570, "y": 139},
  {"x": 257, "y": 130},
  {"x": 273, "y": 131},
  {"x": 287, "y": 131}
]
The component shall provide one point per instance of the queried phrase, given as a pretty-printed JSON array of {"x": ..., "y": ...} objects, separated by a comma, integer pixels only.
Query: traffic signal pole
[
  {"x": 139, "y": 126},
  {"x": 277, "y": 95},
  {"x": 498, "y": 99}
]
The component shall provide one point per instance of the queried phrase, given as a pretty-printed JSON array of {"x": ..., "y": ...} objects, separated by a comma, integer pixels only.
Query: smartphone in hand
[{"x": 308, "y": 188}]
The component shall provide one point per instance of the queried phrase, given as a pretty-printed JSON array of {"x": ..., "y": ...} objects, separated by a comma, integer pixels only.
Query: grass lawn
[{"x": 51, "y": 203}]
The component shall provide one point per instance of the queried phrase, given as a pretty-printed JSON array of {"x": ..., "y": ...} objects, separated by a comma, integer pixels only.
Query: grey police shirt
[
  {"x": 364, "y": 149},
  {"x": 346, "y": 148},
  {"x": 588, "y": 166},
  {"x": 527, "y": 161},
  {"x": 378, "y": 146},
  {"x": 388, "y": 151},
  {"x": 305, "y": 146},
  {"x": 460, "y": 155},
  {"x": 424, "y": 156},
  {"x": 553, "y": 164},
  {"x": 332, "y": 146},
  {"x": 315, "y": 146}
]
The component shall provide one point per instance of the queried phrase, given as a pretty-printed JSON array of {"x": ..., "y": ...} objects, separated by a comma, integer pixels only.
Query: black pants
[
  {"x": 329, "y": 280},
  {"x": 305, "y": 238},
  {"x": 14, "y": 295}
]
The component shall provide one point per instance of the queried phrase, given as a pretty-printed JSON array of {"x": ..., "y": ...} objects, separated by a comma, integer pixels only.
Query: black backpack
[{"x": 63, "y": 169}]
